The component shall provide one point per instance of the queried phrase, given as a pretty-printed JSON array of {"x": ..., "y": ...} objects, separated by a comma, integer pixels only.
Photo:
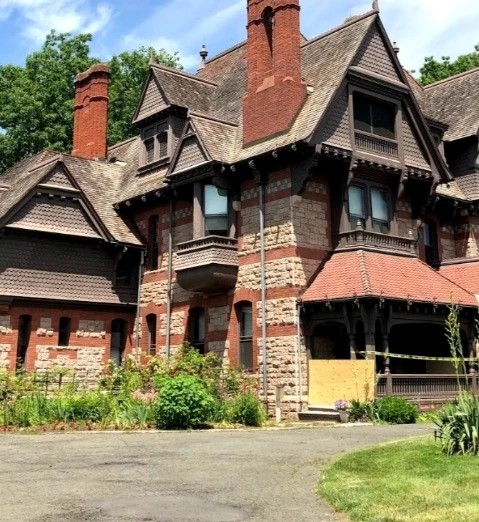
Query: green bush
[
  {"x": 184, "y": 402},
  {"x": 247, "y": 409},
  {"x": 396, "y": 410},
  {"x": 363, "y": 411},
  {"x": 458, "y": 426}
]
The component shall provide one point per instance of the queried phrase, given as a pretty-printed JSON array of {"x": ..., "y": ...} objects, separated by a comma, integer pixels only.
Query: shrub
[
  {"x": 247, "y": 409},
  {"x": 396, "y": 410},
  {"x": 184, "y": 403},
  {"x": 458, "y": 426},
  {"x": 363, "y": 411}
]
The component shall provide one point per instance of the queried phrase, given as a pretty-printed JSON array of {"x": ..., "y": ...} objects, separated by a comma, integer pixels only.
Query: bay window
[{"x": 215, "y": 210}]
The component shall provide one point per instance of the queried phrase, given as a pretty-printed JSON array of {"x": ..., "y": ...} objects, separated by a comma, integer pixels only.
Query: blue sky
[{"x": 421, "y": 27}]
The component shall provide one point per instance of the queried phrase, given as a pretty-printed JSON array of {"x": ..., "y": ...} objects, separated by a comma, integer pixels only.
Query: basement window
[{"x": 196, "y": 334}]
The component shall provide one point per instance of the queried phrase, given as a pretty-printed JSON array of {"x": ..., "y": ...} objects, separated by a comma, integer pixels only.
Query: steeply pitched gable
[{"x": 152, "y": 100}]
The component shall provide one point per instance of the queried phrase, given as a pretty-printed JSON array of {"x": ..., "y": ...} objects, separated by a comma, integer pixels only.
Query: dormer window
[
  {"x": 155, "y": 144},
  {"x": 375, "y": 125}
]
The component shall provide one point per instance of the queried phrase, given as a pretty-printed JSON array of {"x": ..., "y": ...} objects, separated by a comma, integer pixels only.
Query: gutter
[
  {"x": 170, "y": 279},
  {"x": 137, "y": 319}
]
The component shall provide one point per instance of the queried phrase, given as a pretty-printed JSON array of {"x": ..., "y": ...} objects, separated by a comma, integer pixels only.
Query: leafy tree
[
  {"x": 434, "y": 70},
  {"x": 36, "y": 111},
  {"x": 128, "y": 72}
]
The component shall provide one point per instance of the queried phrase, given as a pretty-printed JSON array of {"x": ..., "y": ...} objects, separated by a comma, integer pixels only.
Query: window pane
[
  {"x": 356, "y": 202},
  {"x": 379, "y": 205},
  {"x": 163, "y": 144},
  {"x": 384, "y": 116},
  {"x": 362, "y": 114},
  {"x": 246, "y": 322},
  {"x": 246, "y": 354},
  {"x": 149, "y": 150},
  {"x": 216, "y": 225},
  {"x": 216, "y": 201}
]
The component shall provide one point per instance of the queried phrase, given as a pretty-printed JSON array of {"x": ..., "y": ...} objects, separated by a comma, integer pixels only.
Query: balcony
[
  {"x": 373, "y": 240},
  {"x": 376, "y": 144},
  {"x": 208, "y": 265}
]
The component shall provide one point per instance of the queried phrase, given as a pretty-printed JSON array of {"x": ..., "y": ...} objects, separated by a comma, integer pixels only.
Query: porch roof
[
  {"x": 360, "y": 273},
  {"x": 464, "y": 274}
]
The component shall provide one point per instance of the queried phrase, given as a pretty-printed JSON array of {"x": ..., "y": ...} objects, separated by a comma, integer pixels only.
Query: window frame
[
  {"x": 431, "y": 251},
  {"x": 356, "y": 87},
  {"x": 64, "y": 333},
  {"x": 154, "y": 133},
  {"x": 367, "y": 188},
  {"x": 245, "y": 360},
  {"x": 225, "y": 216},
  {"x": 152, "y": 328},
  {"x": 194, "y": 316},
  {"x": 374, "y": 101}
]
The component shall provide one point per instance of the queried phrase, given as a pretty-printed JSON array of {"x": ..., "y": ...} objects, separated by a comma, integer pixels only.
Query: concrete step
[{"x": 319, "y": 414}]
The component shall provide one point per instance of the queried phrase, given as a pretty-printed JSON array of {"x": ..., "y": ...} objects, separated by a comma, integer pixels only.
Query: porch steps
[{"x": 319, "y": 413}]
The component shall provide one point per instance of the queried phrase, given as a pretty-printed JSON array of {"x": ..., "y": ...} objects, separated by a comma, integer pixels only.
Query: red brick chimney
[
  {"x": 275, "y": 92},
  {"x": 91, "y": 113}
]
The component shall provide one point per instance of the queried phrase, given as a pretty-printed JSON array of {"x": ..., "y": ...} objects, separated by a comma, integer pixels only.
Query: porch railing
[{"x": 420, "y": 386}]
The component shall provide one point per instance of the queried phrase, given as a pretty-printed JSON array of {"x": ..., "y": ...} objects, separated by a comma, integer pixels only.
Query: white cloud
[
  {"x": 189, "y": 24},
  {"x": 40, "y": 16}
]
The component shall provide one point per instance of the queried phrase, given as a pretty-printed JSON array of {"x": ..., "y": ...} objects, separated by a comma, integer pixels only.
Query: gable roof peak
[
  {"x": 178, "y": 72},
  {"x": 347, "y": 23},
  {"x": 452, "y": 78}
]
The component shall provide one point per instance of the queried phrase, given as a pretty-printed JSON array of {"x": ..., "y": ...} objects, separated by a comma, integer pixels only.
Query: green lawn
[{"x": 404, "y": 481}]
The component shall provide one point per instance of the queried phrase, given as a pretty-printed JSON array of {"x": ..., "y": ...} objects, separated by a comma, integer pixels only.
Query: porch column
[
  {"x": 353, "y": 347},
  {"x": 387, "y": 369}
]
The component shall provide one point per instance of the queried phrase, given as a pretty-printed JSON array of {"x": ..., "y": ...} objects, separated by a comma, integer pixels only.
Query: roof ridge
[
  {"x": 338, "y": 28},
  {"x": 184, "y": 74},
  {"x": 225, "y": 52},
  {"x": 438, "y": 272},
  {"x": 48, "y": 161},
  {"x": 452, "y": 78},
  {"x": 124, "y": 142},
  {"x": 212, "y": 118},
  {"x": 363, "y": 272}
]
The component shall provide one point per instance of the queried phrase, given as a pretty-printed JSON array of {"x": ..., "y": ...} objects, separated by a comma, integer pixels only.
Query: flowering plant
[
  {"x": 341, "y": 404},
  {"x": 147, "y": 397}
]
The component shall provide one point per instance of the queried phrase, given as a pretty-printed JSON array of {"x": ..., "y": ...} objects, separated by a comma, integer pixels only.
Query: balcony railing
[
  {"x": 360, "y": 238},
  {"x": 421, "y": 386},
  {"x": 208, "y": 264},
  {"x": 376, "y": 144}
]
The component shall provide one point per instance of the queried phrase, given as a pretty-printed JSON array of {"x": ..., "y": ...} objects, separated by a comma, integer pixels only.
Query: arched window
[
  {"x": 268, "y": 18},
  {"x": 64, "y": 330},
  {"x": 244, "y": 312},
  {"x": 153, "y": 242},
  {"x": 196, "y": 329},
  {"x": 151, "y": 325}
]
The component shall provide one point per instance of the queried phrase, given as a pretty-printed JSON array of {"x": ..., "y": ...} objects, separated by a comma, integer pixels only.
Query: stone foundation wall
[
  {"x": 5, "y": 356},
  {"x": 86, "y": 362}
]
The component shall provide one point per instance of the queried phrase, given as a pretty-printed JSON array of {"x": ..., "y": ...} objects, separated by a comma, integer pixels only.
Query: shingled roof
[
  {"x": 99, "y": 181},
  {"x": 360, "y": 274},
  {"x": 454, "y": 101},
  {"x": 463, "y": 274}
]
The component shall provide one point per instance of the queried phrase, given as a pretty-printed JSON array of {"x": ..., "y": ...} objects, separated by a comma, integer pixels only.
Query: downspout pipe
[
  {"x": 138, "y": 299},
  {"x": 170, "y": 279},
  {"x": 263, "y": 289},
  {"x": 298, "y": 354}
]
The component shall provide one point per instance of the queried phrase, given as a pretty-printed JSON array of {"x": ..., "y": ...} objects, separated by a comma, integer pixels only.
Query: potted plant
[{"x": 342, "y": 407}]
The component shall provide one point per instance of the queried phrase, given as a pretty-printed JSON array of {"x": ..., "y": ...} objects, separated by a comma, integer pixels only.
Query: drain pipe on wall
[
  {"x": 298, "y": 355},
  {"x": 259, "y": 180},
  {"x": 170, "y": 279},
  {"x": 138, "y": 299}
]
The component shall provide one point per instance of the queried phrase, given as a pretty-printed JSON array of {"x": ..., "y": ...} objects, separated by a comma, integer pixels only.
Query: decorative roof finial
[
  {"x": 204, "y": 55},
  {"x": 376, "y": 5},
  {"x": 152, "y": 59},
  {"x": 396, "y": 48}
]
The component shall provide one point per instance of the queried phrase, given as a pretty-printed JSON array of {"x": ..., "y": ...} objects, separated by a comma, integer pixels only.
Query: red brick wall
[
  {"x": 54, "y": 313},
  {"x": 275, "y": 92}
]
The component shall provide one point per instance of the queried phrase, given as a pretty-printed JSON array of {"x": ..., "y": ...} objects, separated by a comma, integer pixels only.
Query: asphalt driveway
[{"x": 202, "y": 476}]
